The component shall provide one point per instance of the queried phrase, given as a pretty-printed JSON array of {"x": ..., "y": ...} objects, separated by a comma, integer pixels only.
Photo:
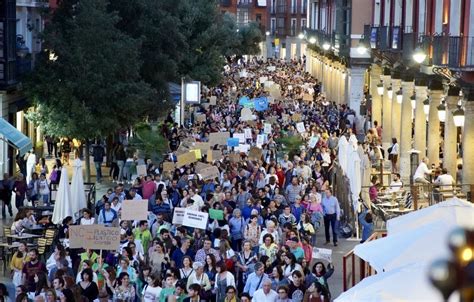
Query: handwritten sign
[
  {"x": 134, "y": 210},
  {"x": 178, "y": 215},
  {"x": 313, "y": 141},
  {"x": 199, "y": 166},
  {"x": 209, "y": 173},
  {"x": 168, "y": 166},
  {"x": 218, "y": 138},
  {"x": 197, "y": 153},
  {"x": 195, "y": 219},
  {"x": 216, "y": 214},
  {"x": 246, "y": 115},
  {"x": 141, "y": 170},
  {"x": 240, "y": 136},
  {"x": 213, "y": 100},
  {"x": 248, "y": 133},
  {"x": 235, "y": 158},
  {"x": 300, "y": 127},
  {"x": 260, "y": 140},
  {"x": 94, "y": 236},
  {"x": 296, "y": 117},
  {"x": 307, "y": 97},
  {"x": 243, "y": 148},
  {"x": 200, "y": 118},
  {"x": 267, "y": 128},
  {"x": 201, "y": 146},
  {"x": 186, "y": 159},
  {"x": 255, "y": 153},
  {"x": 214, "y": 155},
  {"x": 325, "y": 254}
]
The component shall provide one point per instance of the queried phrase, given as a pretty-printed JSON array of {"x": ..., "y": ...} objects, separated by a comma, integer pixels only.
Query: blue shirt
[
  {"x": 178, "y": 256},
  {"x": 331, "y": 206},
  {"x": 253, "y": 281},
  {"x": 298, "y": 252},
  {"x": 367, "y": 228}
]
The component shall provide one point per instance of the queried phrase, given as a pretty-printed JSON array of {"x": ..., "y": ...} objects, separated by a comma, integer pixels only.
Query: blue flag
[{"x": 261, "y": 104}]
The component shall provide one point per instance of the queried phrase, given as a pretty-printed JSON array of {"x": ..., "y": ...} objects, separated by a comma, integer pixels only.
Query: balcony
[
  {"x": 244, "y": 3},
  {"x": 454, "y": 52}
]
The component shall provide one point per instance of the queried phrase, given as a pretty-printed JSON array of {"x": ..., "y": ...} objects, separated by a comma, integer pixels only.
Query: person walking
[
  {"x": 394, "y": 153},
  {"x": 98, "y": 153},
  {"x": 332, "y": 213}
]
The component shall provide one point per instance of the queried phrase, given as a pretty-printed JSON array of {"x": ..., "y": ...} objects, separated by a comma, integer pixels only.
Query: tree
[{"x": 87, "y": 83}]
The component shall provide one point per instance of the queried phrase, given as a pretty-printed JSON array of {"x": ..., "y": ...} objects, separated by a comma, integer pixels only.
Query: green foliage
[
  {"x": 94, "y": 87},
  {"x": 290, "y": 144},
  {"x": 149, "y": 142}
]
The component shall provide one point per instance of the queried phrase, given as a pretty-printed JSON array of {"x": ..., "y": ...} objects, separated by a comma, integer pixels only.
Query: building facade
[{"x": 246, "y": 11}]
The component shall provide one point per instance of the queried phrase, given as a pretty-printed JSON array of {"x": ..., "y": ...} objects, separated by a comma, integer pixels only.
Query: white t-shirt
[
  {"x": 260, "y": 296},
  {"x": 421, "y": 171},
  {"x": 87, "y": 221},
  {"x": 151, "y": 294},
  {"x": 445, "y": 181}
]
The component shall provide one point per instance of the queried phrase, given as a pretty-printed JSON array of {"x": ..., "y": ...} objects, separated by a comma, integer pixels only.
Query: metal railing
[{"x": 89, "y": 191}]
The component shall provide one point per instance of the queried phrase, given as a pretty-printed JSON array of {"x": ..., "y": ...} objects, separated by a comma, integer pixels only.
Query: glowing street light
[
  {"x": 442, "y": 112},
  {"x": 312, "y": 40},
  {"x": 380, "y": 88},
  {"x": 326, "y": 46},
  {"x": 301, "y": 36},
  {"x": 419, "y": 55}
]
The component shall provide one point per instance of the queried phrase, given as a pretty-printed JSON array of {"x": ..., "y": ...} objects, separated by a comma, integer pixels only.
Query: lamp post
[
  {"x": 390, "y": 92},
  {"x": 442, "y": 111},
  {"x": 399, "y": 96},
  {"x": 459, "y": 117},
  {"x": 413, "y": 101},
  {"x": 419, "y": 55},
  {"x": 426, "y": 106}
]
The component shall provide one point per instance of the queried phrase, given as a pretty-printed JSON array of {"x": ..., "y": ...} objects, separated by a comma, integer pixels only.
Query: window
[
  {"x": 242, "y": 16},
  {"x": 281, "y": 26},
  {"x": 293, "y": 7},
  {"x": 303, "y": 23},
  {"x": 273, "y": 6},
  {"x": 293, "y": 27},
  {"x": 304, "y": 6},
  {"x": 273, "y": 25}
]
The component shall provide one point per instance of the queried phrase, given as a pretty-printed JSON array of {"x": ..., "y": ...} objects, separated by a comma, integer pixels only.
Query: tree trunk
[{"x": 88, "y": 162}]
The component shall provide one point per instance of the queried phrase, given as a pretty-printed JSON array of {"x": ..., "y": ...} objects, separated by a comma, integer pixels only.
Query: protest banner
[
  {"x": 267, "y": 128},
  {"x": 201, "y": 146},
  {"x": 195, "y": 219},
  {"x": 255, "y": 153},
  {"x": 232, "y": 142},
  {"x": 209, "y": 173},
  {"x": 199, "y": 166},
  {"x": 271, "y": 68},
  {"x": 260, "y": 140},
  {"x": 141, "y": 170},
  {"x": 244, "y": 100},
  {"x": 213, "y": 100},
  {"x": 261, "y": 104},
  {"x": 134, "y": 210},
  {"x": 216, "y": 214},
  {"x": 313, "y": 141},
  {"x": 186, "y": 159},
  {"x": 214, "y": 155},
  {"x": 285, "y": 117},
  {"x": 325, "y": 254},
  {"x": 178, "y": 215},
  {"x": 240, "y": 136},
  {"x": 248, "y": 133},
  {"x": 246, "y": 115},
  {"x": 243, "y": 148},
  {"x": 300, "y": 127},
  {"x": 218, "y": 138},
  {"x": 94, "y": 236},
  {"x": 168, "y": 166},
  {"x": 197, "y": 153}
]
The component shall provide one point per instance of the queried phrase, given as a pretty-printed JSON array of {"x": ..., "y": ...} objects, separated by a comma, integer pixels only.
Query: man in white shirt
[
  {"x": 422, "y": 171},
  {"x": 396, "y": 184},
  {"x": 445, "y": 181},
  {"x": 266, "y": 293},
  {"x": 198, "y": 201}
]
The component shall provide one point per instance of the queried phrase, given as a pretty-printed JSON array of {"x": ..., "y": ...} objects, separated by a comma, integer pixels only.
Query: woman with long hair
[
  {"x": 246, "y": 260},
  {"x": 322, "y": 275},
  {"x": 291, "y": 265},
  {"x": 277, "y": 277},
  {"x": 210, "y": 268},
  {"x": 151, "y": 291},
  {"x": 19, "y": 258},
  {"x": 124, "y": 290},
  {"x": 89, "y": 288},
  {"x": 41, "y": 280},
  {"x": 223, "y": 279},
  {"x": 187, "y": 268},
  {"x": 159, "y": 259}
]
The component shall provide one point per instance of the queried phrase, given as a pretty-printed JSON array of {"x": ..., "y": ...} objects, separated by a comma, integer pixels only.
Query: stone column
[
  {"x": 434, "y": 140},
  {"x": 289, "y": 42},
  {"x": 270, "y": 51},
  {"x": 387, "y": 114},
  {"x": 396, "y": 108},
  {"x": 356, "y": 88},
  {"x": 450, "y": 155},
  {"x": 468, "y": 143},
  {"x": 421, "y": 91},
  {"x": 329, "y": 82},
  {"x": 406, "y": 129},
  {"x": 376, "y": 109}
]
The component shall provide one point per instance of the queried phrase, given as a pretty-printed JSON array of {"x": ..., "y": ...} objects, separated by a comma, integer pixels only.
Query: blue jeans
[
  {"x": 330, "y": 220},
  {"x": 45, "y": 199},
  {"x": 120, "y": 164},
  {"x": 98, "y": 170}
]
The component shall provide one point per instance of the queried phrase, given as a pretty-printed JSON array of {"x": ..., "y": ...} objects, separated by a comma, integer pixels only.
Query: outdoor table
[
  {"x": 15, "y": 245},
  {"x": 24, "y": 236},
  {"x": 400, "y": 212},
  {"x": 387, "y": 204},
  {"x": 36, "y": 229}
]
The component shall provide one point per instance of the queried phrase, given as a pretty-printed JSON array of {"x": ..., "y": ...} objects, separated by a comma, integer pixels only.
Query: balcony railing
[
  {"x": 244, "y": 3},
  {"x": 454, "y": 52}
]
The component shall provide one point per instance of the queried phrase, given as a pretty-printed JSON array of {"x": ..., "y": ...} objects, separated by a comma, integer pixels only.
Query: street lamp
[
  {"x": 267, "y": 33},
  {"x": 459, "y": 117},
  {"x": 390, "y": 92},
  {"x": 419, "y": 55},
  {"x": 312, "y": 40},
  {"x": 399, "y": 96},
  {"x": 426, "y": 106},
  {"x": 301, "y": 36},
  {"x": 326, "y": 46},
  {"x": 442, "y": 111},
  {"x": 380, "y": 88},
  {"x": 413, "y": 101}
]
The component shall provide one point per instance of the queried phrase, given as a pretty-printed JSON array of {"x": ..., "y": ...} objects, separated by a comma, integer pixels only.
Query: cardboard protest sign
[
  {"x": 232, "y": 142},
  {"x": 243, "y": 148},
  {"x": 141, "y": 170},
  {"x": 255, "y": 153},
  {"x": 209, "y": 173},
  {"x": 214, "y": 155},
  {"x": 186, "y": 159},
  {"x": 201, "y": 146},
  {"x": 168, "y": 166},
  {"x": 296, "y": 117},
  {"x": 199, "y": 166},
  {"x": 216, "y": 214},
  {"x": 325, "y": 254},
  {"x": 307, "y": 97},
  {"x": 197, "y": 153},
  {"x": 182, "y": 150},
  {"x": 246, "y": 115},
  {"x": 313, "y": 141},
  {"x": 275, "y": 93},
  {"x": 248, "y": 133},
  {"x": 271, "y": 119},
  {"x": 240, "y": 136},
  {"x": 300, "y": 127},
  {"x": 235, "y": 158},
  {"x": 213, "y": 100},
  {"x": 267, "y": 128},
  {"x": 178, "y": 215},
  {"x": 260, "y": 140},
  {"x": 195, "y": 219},
  {"x": 134, "y": 210},
  {"x": 200, "y": 118},
  {"x": 94, "y": 236},
  {"x": 261, "y": 104},
  {"x": 218, "y": 138},
  {"x": 271, "y": 68}
]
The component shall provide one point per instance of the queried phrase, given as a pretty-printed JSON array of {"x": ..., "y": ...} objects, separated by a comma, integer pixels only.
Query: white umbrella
[
  {"x": 353, "y": 173},
  {"x": 422, "y": 245},
  {"x": 77, "y": 187},
  {"x": 62, "y": 205},
  {"x": 366, "y": 168},
  {"x": 453, "y": 211},
  {"x": 342, "y": 155},
  {"x": 409, "y": 283}
]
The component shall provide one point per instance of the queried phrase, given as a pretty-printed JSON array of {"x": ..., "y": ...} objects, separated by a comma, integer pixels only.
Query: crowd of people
[{"x": 273, "y": 206}]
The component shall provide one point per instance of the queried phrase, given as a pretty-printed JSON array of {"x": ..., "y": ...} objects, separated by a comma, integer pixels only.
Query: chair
[
  {"x": 6, "y": 232},
  {"x": 50, "y": 235},
  {"x": 42, "y": 243}
]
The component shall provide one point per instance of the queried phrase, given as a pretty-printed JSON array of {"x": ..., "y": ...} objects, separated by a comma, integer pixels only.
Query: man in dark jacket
[{"x": 98, "y": 153}]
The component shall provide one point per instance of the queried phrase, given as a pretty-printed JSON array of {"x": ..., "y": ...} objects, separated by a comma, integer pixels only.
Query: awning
[{"x": 14, "y": 137}]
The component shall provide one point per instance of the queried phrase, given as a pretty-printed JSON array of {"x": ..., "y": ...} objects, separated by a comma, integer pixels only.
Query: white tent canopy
[
  {"x": 408, "y": 283},
  {"x": 62, "y": 206},
  {"x": 77, "y": 188}
]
